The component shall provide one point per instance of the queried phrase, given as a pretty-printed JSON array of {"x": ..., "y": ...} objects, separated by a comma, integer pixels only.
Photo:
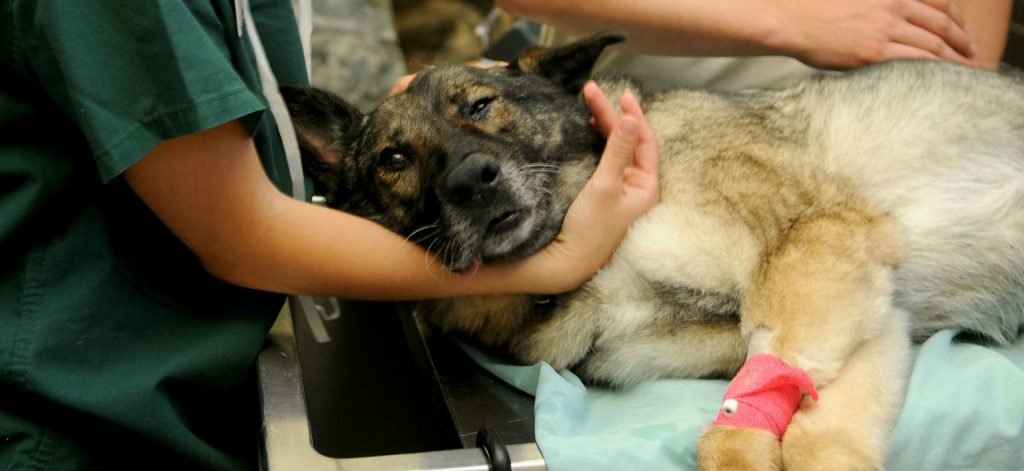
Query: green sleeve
[{"x": 133, "y": 73}]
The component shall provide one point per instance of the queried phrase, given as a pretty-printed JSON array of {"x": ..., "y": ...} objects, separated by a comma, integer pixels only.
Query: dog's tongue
[{"x": 471, "y": 269}]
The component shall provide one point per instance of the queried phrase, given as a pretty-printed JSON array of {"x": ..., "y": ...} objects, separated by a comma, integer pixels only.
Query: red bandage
[{"x": 765, "y": 394}]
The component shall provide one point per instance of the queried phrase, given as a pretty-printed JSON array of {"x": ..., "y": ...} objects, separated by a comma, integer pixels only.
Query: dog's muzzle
[{"x": 474, "y": 181}]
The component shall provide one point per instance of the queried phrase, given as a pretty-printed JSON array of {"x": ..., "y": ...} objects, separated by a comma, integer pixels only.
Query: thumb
[{"x": 620, "y": 149}]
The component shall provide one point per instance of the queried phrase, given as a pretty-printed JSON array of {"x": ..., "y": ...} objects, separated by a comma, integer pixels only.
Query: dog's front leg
[
  {"x": 820, "y": 305},
  {"x": 849, "y": 426}
]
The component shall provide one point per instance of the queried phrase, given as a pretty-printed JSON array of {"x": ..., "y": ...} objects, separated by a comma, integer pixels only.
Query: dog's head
[{"x": 477, "y": 165}]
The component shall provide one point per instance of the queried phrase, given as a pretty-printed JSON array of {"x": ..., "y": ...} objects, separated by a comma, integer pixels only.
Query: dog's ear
[
  {"x": 570, "y": 65},
  {"x": 321, "y": 120}
]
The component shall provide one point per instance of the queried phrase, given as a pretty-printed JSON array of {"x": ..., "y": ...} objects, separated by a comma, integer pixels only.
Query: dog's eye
[
  {"x": 478, "y": 108},
  {"x": 393, "y": 159}
]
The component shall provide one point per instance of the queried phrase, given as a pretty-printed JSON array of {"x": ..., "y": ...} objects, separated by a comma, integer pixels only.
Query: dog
[{"x": 829, "y": 224}]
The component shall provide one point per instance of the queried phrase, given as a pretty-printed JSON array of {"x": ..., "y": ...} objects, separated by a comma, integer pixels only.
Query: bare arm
[
  {"x": 211, "y": 191},
  {"x": 835, "y": 34},
  {"x": 988, "y": 23}
]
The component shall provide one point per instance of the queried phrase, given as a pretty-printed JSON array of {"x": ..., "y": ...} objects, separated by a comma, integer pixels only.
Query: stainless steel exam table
[{"x": 360, "y": 386}]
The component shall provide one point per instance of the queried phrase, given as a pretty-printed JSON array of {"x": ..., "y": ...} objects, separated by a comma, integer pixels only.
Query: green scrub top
[{"x": 117, "y": 350}]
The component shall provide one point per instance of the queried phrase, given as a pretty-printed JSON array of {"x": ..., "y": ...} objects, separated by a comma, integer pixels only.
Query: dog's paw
[
  {"x": 725, "y": 448},
  {"x": 808, "y": 449}
]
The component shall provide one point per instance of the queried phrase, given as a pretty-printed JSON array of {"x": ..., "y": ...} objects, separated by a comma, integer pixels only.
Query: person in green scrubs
[{"x": 146, "y": 231}]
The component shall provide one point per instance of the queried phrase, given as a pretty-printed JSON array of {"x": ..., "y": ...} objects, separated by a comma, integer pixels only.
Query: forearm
[
  {"x": 677, "y": 27},
  {"x": 988, "y": 23},
  {"x": 315, "y": 250},
  {"x": 210, "y": 190},
  {"x": 832, "y": 34}
]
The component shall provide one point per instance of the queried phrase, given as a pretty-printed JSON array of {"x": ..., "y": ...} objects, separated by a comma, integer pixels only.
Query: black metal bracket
[{"x": 494, "y": 449}]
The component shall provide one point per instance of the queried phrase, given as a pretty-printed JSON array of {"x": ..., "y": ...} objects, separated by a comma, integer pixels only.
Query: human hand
[
  {"x": 623, "y": 187},
  {"x": 842, "y": 34}
]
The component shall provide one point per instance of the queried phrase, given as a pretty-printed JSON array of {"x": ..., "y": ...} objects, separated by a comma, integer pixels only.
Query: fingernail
[{"x": 628, "y": 127}]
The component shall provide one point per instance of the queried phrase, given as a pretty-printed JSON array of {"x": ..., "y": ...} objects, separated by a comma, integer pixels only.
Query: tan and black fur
[{"x": 829, "y": 224}]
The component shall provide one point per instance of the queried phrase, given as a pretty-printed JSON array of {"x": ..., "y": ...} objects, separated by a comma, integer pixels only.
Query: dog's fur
[{"x": 828, "y": 224}]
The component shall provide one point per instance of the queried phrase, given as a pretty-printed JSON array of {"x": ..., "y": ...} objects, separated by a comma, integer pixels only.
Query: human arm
[
  {"x": 211, "y": 191},
  {"x": 988, "y": 23},
  {"x": 834, "y": 34}
]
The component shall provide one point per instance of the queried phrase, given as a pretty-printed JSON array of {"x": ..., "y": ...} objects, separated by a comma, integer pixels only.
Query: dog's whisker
[
  {"x": 432, "y": 225},
  {"x": 444, "y": 254},
  {"x": 429, "y": 257},
  {"x": 419, "y": 240},
  {"x": 543, "y": 164},
  {"x": 426, "y": 237},
  {"x": 540, "y": 168}
]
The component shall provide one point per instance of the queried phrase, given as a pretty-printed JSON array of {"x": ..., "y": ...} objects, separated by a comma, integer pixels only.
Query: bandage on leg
[{"x": 765, "y": 394}]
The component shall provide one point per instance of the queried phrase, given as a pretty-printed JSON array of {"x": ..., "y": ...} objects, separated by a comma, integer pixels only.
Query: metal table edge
[{"x": 287, "y": 441}]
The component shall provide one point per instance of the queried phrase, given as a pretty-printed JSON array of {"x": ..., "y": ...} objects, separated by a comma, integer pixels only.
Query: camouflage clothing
[{"x": 355, "y": 50}]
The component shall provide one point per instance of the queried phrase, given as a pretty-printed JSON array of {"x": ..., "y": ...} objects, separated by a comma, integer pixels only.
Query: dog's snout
[{"x": 473, "y": 180}]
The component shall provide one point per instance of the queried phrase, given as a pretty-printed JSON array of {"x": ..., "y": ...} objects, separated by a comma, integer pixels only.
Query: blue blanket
[{"x": 964, "y": 410}]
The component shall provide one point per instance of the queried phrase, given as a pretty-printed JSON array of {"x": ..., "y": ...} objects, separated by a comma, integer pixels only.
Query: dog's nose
[{"x": 474, "y": 180}]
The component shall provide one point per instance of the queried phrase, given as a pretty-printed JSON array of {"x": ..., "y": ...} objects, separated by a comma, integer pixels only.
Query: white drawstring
[
  {"x": 278, "y": 109},
  {"x": 240, "y": 6},
  {"x": 304, "y": 16},
  {"x": 277, "y": 106}
]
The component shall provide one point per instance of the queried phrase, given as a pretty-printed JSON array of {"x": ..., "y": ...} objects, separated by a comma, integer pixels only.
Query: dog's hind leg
[
  {"x": 694, "y": 350},
  {"x": 821, "y": 302}
]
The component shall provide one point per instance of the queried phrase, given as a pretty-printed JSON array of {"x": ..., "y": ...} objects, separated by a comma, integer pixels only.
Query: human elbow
[
  {"x": 233, "y": 267},
  {"x": 224, "y": 269}
]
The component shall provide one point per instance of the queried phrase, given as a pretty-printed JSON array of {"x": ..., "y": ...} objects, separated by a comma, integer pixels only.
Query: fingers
[
  {"x": 940, "y": 30},
  {"x": 646, "y": 154},
  {"x": 605, "y": 114},
  {"x": 631, "y": 149},
  {"x": 949, "y": 8},
  {"x": 912, "y": 42},
  {"x": 631, "y": 107},
  {"x": 618, "y": 152},
  {"x": 601, "y": 107},
  {"x": 907, "y": 52}
]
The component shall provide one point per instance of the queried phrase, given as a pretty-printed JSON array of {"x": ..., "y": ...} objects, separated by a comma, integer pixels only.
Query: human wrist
[
  {"x": 775, "y": 31},
  {"x": 553, "y": 270}
]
